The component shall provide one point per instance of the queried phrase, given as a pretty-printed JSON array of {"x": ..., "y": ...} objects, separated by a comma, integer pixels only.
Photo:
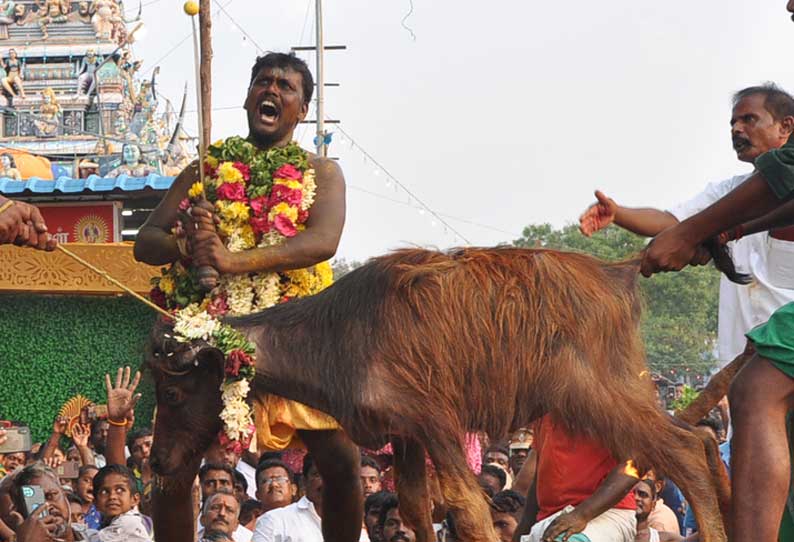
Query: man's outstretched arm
[{"x": 643, "y": 221}]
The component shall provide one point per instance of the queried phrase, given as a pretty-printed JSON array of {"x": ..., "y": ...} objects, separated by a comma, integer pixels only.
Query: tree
[
  {"x": 342, "y": 267},
  {"x": 679, "y": 323}
]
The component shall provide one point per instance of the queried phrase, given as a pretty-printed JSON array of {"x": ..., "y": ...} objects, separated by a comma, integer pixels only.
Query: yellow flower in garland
[
  {"x": 196, "y": 190},
  {"x": 211, "y": 161},
  {"x": 289, "y": 183},
  {"x": 326, "y": 274},
  {"x": 227, "y": 173},
  {"x": 285, "y": 209},
  {"x": 233, "y": 211},
  {"x": 167, "y": 284}
]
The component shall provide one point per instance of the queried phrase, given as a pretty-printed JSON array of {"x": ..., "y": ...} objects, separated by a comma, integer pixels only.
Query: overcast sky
[{"x": 501, "y": 113}]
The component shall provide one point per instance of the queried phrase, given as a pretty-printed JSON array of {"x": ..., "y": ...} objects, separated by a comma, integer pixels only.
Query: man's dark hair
[
  {"x": 240, "y": 479},
  {"x": 75, "y": 498},
  {"x": 272, "y": 464},
  {"x": 367, "y": 461},
  {"x": 777, "y": 101},
  {"x": 376, "y": 500},
  {"x": 249, "y": 510},
  {"x": 266, "y": 456},
  {"x": 286, "y": 61},
  {"x": 496, "y": 472},
  {"x": 84, "y": 469},
  {"x": 388, "y": 503},
  {"x": 501, "y": 448},
  {"x": 308, "y": 463},
  {"x": 135, "y": 435},
  {"x": 508, "y": 502},
  {"x": 206, "y": 467},
  {"x": 24, "y": 477},
  {"x": 106, "y": 471}
]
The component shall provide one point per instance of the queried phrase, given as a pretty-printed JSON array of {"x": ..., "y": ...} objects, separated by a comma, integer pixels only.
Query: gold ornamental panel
[{"x": 29, "y": 270}]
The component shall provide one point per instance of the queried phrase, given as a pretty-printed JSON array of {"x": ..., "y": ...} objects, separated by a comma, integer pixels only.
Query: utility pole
[
  {"x": 319, "y": 48},
  {"x": 322, "y": 148}
]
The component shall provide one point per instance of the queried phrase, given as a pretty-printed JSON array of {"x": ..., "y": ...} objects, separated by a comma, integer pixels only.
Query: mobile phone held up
[
  {"x": 33, "y": 497},
  {"x": 68, "y": 470},
  {"x": 18, "y": 439}
]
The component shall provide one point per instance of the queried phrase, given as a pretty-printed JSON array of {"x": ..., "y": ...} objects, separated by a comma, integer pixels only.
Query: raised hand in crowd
[
  {"x": 81, "y": 433},
  {"x": 22, "y": 224},
  {"x": 599, "y": 215},
  {"x": 52, "y": 462},
  {"x": 52, "y": 446},
  {"x": 121, "y": 406}
]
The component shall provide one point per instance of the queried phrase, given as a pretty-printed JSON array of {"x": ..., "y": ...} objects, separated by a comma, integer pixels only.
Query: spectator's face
[
  {"x": 314, "y": 486},
  {"x": 141, "y": 449},
  {"x": 59, "y": 456},
  {"x": 99, "y": 436},
  {"x": 56, "y": 499},
  {"x": 491, "y": 481},
  {"x": 85, "y": 485},
  {"x": 645, "y": 502},
  {"x": 221, "y": 514},
  {"x": 215, "y": 480},
  {"x": 498, "y": 458},
  {"x": 517, "y": 459},
  {"x": 504, "y": 525},
  {"x": 73, "y": 454},
  {"x": 115, "y": 497},
  {"x": 217, "y": 454},
  {"x": 370, "y": 481},
  {"x": 394, "y": 530},
  {"x": 274, "y": 488},
  {"x": 239, "y": 491},
  {"x": 371, "y": 523},
  {"x": 76, "y": 514},
  {"x": 13, "y": 461},
  {"x": 753, "y": 129}
]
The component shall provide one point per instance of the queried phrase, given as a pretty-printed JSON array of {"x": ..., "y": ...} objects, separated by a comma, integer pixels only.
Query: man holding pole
[
  {"x": 764, "y": 390},
  {"x": 280, "y": 212}
]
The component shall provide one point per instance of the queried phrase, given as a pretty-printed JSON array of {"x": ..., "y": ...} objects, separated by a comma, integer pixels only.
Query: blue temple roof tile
[{"x": 94, "y": 183}]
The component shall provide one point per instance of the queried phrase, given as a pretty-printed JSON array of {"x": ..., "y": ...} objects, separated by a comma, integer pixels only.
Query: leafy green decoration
[{"x": 54, "y": 347}]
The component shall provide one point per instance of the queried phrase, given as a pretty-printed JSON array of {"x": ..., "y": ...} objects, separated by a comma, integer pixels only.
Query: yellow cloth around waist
[{"x": 277, "y": 420}]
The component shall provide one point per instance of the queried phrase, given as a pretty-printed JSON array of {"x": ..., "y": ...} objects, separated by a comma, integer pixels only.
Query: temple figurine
[
  {"x": 53, "y": 12},
  {"x": 12, "y": 82},
  {"x": 86, "y": 79},
  {"x": 132, "y": 164},
  {"x": 8, "y": 167},
  {"x": 49, "y": 118}
]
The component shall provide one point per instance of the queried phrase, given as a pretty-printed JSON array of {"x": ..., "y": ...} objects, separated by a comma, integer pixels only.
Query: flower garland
[{"x": 262, "y": 198}]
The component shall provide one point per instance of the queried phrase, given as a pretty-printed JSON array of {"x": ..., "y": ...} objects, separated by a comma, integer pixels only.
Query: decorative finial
[{"x": 191, "y": 8}]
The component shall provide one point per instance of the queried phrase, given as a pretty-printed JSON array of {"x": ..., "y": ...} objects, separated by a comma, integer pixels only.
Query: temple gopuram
[{"x": 83, "y": 135}]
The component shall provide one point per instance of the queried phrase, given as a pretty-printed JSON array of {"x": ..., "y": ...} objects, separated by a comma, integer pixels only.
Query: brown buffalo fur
[{"x": 425, "y": 346}]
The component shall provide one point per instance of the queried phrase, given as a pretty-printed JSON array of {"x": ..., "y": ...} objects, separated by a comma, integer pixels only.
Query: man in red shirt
[{"x": 580, "y": 492}]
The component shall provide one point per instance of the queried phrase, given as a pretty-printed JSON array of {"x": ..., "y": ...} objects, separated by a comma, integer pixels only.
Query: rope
[{"x": 106, "y": 276}]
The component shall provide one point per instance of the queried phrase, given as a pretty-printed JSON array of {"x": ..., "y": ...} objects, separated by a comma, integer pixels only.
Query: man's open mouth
[
  {"x": 268, "y": 112},
  {"x": 740, "y": 145}
]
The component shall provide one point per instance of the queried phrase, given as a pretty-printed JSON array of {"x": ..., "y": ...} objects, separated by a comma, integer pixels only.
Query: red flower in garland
[
  {"x": 184, "y": 205},
  {"x": 234, "y": 446},
  {"x": 260, "y": 224},
  {"x": 259, "y": 205},
  {"x": 158, "y": 297},
  {"x": 285, "y": 226},
  {"x": 244, "y": 169},
  {"x": 303, "y": 216},
  {"x": 231, "y": 192},
  {"x": 288, "y": 171},
  {"x": 235, "y": 360},
  {"x": 281, "y": 193},
  {"x": 218, "y": 306}
]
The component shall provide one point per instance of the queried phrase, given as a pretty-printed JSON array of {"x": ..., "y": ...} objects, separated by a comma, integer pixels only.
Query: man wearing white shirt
[
  {"x": 300, "y": 521},
  {"x": 220, "y": 512},
  {"x": 756, "y": 127}
]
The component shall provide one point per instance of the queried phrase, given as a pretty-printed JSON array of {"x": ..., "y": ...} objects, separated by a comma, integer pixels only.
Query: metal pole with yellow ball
[{"x": 207, "y": 276}]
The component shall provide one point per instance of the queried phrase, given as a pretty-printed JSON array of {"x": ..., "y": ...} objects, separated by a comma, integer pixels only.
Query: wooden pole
[{"x": 205, "y": 33}]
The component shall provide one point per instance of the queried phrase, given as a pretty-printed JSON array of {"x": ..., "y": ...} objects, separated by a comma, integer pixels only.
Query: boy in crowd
[{"x": 116, "y": 496}]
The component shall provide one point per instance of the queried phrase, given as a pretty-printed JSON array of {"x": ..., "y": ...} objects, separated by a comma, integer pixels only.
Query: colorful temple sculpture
[{"x": 84, "y": 135}]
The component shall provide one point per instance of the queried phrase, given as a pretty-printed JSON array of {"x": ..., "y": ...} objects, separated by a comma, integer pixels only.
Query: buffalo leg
[
  {"x": 339, "y": 463},
  {"x": 412, "y": 489},
  {"x": 462, "y": 493}
]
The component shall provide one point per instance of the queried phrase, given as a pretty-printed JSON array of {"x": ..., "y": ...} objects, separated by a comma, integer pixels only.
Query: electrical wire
[{"x": 240, "y": 28}]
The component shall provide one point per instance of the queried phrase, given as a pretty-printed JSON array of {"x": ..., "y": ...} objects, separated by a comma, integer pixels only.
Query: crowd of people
[{"x": 96, "y": 485}]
